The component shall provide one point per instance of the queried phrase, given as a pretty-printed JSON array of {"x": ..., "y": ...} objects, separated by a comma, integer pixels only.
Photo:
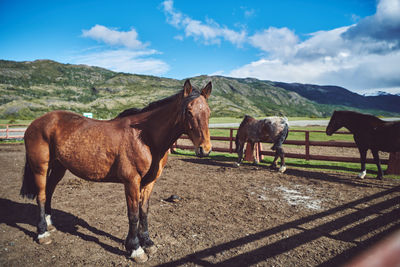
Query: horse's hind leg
[
  {"x": 38, "y": 158},
  {"x": 363, "y": 158},
  {"x": 57, "y": 172},
  {"x": 378, "y": 164},
  {"x": 282, "y": 169},
  {"x": 39, "y": 170}
]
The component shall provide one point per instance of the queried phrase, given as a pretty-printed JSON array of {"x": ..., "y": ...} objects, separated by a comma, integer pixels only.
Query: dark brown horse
[
  {"x": 369, "y": 132},
  {"x": 270, "y": 129},
  {"x": 130, "y": 149}
]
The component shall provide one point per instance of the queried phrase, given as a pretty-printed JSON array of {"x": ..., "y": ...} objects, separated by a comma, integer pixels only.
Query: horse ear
[
  {"x": 206, "y": 92},
  {"x": 187, "y": 88}
]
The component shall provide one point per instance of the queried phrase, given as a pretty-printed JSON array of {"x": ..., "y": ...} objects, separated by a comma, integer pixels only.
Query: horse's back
[{"x": 387, "y": 137}]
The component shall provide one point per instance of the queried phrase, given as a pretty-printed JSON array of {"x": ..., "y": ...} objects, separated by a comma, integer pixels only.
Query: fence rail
[
  {"x": 8, "y": 131},
  {"x": 307, "y": 143}
]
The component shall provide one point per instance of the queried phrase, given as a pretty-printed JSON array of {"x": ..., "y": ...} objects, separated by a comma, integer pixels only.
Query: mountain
[
  {"x": 30, "y": 89},
  {"x": 335, "y": 95}
]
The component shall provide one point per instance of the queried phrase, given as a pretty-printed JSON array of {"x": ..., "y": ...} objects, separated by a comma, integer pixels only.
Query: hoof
[
  {"x": 282, "y": 169},
  {"x": 140, "y": 259},
  {"x": 150, "y": 250},
  {"x": 362, "y": 174},
  {"x": 51, "y": 228},
  {"x": 44, "y": 239},
  {"x": 139, "y": 256},
  {"x": 237, "y": 164}
]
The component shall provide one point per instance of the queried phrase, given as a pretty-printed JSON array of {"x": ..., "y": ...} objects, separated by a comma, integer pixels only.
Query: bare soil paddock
[{"x": 227, "y": 216}]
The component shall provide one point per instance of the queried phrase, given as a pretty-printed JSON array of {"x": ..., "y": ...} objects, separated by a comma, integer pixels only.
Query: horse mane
[
  {"x": 245, "y": 120},
  {"x": 159, "y": 103},
  {"x": 362, "y": 116}
]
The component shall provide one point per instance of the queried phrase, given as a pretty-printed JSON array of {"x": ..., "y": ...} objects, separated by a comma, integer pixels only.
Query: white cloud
[
  {"x": 122, "y": 52},
  {"x": 209, "y": 32},
  {"x": 113, "y": 37},
  {"x": 125, "y": 61},
  {"x": 278, "y": 42},
  {"x": 359, "y": 57}
]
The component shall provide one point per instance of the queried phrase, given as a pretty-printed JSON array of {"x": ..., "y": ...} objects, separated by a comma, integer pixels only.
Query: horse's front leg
[
  {"x": 378, "y": 164},
  {"x": 145, "y": 194},
  {"x": 239, "y": 150},
  {"x": 363, "y": 158},
  {"x": 144, "y": 237},
  {"x": 132, "y": 243}
]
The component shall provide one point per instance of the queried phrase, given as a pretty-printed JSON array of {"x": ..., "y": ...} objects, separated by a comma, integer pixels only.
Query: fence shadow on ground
[
  {"x": 14, "y": 213},
  {"x": 226, "y": 162},
  {"x": 389, "y": 221}
]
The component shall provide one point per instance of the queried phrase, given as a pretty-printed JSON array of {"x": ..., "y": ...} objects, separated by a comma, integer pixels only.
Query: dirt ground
[{"x": 227, "y": 216}]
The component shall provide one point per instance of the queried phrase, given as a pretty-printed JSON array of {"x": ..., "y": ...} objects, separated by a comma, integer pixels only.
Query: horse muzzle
[{"x": 201, "y": 153}]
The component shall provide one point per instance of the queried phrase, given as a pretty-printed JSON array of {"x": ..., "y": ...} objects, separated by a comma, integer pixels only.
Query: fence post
[
  {"x": 394, "y": 163},
  {"x": 230, "y": 140},
  {"x": 7, "y": 131},
  {"x": 307, "y": 145}
]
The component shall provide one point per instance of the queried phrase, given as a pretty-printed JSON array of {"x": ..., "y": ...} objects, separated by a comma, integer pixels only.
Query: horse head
[
  {"x": 196, "y": 116},
  {"x": 335, "y": 123}
]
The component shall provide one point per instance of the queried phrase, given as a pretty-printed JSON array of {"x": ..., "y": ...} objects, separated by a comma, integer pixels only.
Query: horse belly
[{"x": 88, "y": 157}]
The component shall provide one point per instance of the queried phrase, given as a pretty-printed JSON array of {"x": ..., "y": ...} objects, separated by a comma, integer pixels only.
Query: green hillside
[{"x": 30, "y": 89}]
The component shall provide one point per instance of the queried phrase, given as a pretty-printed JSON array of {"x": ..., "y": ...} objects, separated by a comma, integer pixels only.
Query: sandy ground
[{"x": 227, "y": 216}]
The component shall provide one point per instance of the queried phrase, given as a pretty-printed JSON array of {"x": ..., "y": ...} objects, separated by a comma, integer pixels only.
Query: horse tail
[{"x": 28, "y": 188}]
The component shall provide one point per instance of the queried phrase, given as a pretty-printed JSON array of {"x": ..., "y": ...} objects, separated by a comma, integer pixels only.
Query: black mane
[
  {"x": 153, "y": 105},
  {"x": 360, "y": 116}
]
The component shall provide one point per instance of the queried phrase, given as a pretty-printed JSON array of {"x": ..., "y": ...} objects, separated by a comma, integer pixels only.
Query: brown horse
[
  {"x": 270, "y": 129},
  {"x": 369, "y": 132},
  {"x": 130, "y": 149}
]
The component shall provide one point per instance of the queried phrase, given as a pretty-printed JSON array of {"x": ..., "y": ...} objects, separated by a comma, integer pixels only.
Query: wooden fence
[
  {"x": 393, "y": 162},
  {"x": 307, "y": 143},
  {"x": 8, "y": 131}
]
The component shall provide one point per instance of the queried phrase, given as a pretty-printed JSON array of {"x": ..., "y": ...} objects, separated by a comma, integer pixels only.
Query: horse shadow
[
  {"x": 345, "y": 227},
  {"x": 15, "y": 213}
]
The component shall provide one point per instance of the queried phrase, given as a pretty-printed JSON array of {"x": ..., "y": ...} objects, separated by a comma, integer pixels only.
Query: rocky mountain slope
[{"x": 29, "y": 89}]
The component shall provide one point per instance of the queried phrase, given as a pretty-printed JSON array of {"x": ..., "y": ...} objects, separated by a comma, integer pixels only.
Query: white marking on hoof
[
  {"x": 282, "y": 169},
  {"x": 48, "y": 220},
  {"x": 44, "y": 239},
  {"x": 139, "y": 255},
  {"x": 362, "y": 174}
]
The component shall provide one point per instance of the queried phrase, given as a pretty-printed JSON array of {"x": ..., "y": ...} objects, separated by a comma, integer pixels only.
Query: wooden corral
[
  {"x": 11, "y": 132},
  {"x": 393, "y": 162}
]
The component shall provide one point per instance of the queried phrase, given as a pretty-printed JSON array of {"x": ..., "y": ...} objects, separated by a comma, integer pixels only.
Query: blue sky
[{"x": 352, "y": 43}]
